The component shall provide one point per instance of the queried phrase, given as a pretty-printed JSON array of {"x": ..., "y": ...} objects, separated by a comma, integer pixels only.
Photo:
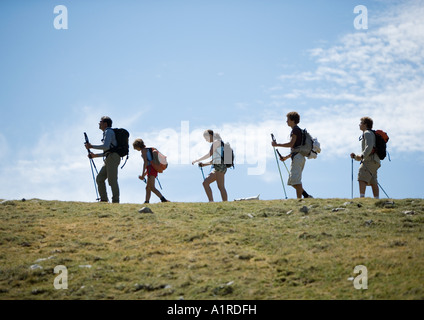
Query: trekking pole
[
  {"x": 203, "y": 174},
  {"x": 278, "y": 165},
  {"x": 159, "y": 183},
  {"x": 94, "y": 179},
  {"x": 383, "y": 190},
  {"x": 283, "y": 161},
  {"x": 91, "y": 165},
  {"x": 86, "y": 141}
]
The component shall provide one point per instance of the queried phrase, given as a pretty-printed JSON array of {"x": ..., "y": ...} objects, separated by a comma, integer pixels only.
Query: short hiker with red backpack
[
  {"x": 373, "y": 151},
  {"x": 154, "y": 163}
]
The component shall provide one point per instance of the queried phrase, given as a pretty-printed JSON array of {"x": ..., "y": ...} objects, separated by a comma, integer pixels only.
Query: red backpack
[
  {"x": 158, "y": 162},
  {"x": 381, "y": 139}
]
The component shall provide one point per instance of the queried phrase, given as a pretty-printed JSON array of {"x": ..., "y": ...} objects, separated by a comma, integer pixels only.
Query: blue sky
[{"x": 168, "y": 70}]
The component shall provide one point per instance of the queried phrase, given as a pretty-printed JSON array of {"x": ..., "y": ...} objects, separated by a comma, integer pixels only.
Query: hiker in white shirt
[
  {"x": 219, "y": 168},
  {"x": 370, "y": 162}
]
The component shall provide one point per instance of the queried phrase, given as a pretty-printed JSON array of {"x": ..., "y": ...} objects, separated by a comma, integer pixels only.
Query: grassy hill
[{"x": 236, "y": 250}]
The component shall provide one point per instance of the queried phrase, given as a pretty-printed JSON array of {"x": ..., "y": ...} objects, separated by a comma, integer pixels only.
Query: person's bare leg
[
  {"x": 220, "y": 181},
  {"x": 150, "y": 186},
  {"x": 362, "y": 187},
  {"x": 375, "y": 191},
  {"x": 206, "y": 185},
  {"x": 299, "y": 190}
]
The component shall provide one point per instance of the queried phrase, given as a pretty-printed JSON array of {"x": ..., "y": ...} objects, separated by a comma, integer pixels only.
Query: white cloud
[
  {"x": 57, "y": 167},
  {"x": 378, "y": 73},
  {"x": 251, "y": 142}
]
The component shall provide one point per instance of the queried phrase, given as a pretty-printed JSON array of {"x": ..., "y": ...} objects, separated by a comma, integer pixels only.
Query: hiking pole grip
[
  {"x": 86, "y": 137},
  {"x": 279, "y": 153},
  {"x": 203, "y": 174},
  {"x": 86, "y": 142},
  {"x": 274, "y": 140},
  {"x": 91, "y": 159}
]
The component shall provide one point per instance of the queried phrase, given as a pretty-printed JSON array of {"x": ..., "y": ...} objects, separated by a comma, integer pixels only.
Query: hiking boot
[{"x": 164, "y": 200}]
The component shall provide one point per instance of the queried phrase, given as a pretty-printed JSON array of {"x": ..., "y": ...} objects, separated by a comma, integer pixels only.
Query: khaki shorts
[
  {"x": 296, "y": 169},
  {"x": 368, "y": 172}
]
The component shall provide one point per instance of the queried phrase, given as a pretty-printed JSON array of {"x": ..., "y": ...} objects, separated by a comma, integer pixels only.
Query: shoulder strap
[{"x": 149, "y": 154}]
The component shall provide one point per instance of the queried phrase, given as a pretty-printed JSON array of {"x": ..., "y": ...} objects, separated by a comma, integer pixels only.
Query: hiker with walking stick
[
  {"x": 298, "y": 160},
  {"x": 218, "y": 165},
  {"x": 109, "y": 170},
  {"x": 148, "y": 170},
  {"x": 370, "y": 162}
]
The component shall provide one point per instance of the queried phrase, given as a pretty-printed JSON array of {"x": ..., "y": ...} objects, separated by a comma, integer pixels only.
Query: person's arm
[
  {"x": 204, "y": 164},
  {"x": 355, "y": 157},
  {"x": 369, "y": 139},
  {"x": 145, "y": 163},
  {"x": 206, "y": 156},
  {"x": 286, "y": 157},
  {"x": 107, "y": 142},
  {"x": 283, "y": 158},
  {"x": 289, "y": 144}
]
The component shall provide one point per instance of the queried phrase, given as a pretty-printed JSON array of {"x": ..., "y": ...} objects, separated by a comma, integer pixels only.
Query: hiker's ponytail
[{"x": 216, "y": 136}]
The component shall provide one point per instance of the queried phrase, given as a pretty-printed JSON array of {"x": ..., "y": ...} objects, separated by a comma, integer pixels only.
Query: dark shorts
[{"x": 220, "y": 168}]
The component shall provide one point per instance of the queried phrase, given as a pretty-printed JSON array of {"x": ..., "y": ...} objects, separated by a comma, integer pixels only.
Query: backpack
[
  {"x": 227, "y": 154},
  {"x": 122, "y": 138},
  {"x": 310, "y": 147},
  {"x": 381, "y": 139},
  {"x": 157, "y": 160}
]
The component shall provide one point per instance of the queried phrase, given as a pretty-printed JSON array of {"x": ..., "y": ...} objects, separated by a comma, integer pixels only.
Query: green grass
[{"x": 235, "y": 250}]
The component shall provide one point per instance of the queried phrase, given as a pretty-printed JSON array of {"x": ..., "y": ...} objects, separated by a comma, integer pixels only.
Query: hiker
[
  {"x": 109, "y": 170},
  {"x": 298, "y": 160},
  {"x": 218, "y": 165},
  {"x": 370, "y": 162},
  {"x": 148, "y": 170}
]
